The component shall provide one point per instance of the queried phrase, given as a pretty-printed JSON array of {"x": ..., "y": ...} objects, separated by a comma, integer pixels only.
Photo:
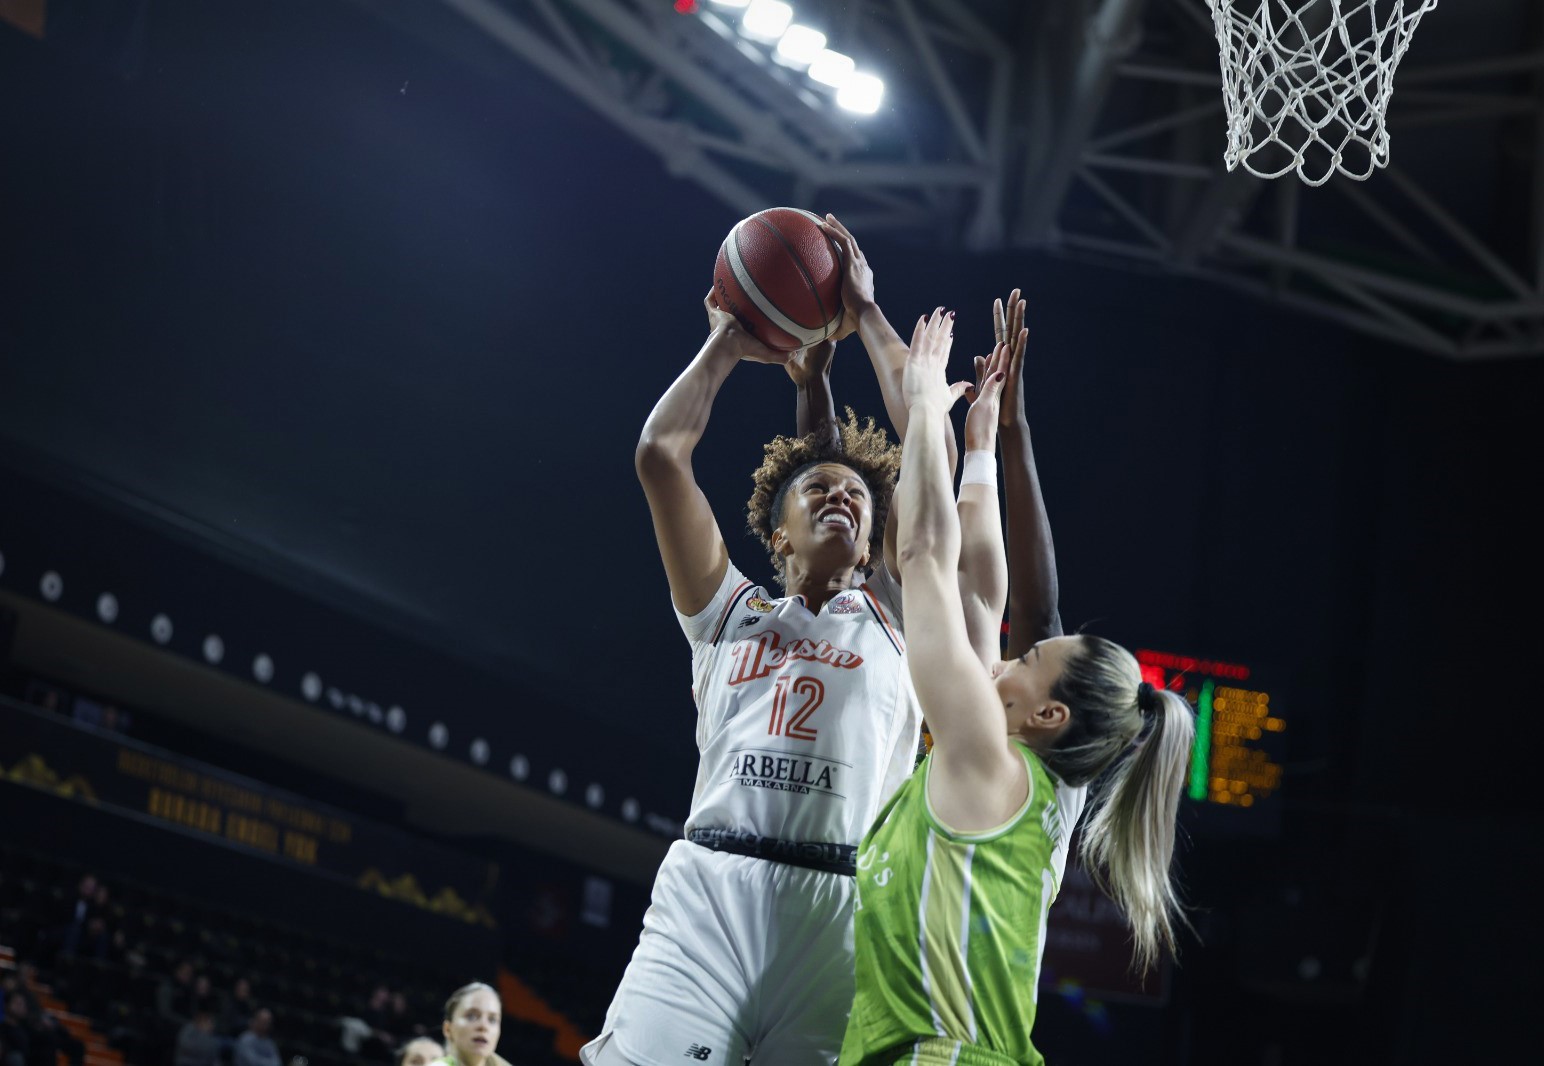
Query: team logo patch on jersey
[
  {"x": 756, "y": 603},
  {"x": 846, "y": 603}
]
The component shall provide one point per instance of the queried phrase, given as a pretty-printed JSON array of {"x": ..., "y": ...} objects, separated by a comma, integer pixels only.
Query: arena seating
[{"x": 309, "y": 981}]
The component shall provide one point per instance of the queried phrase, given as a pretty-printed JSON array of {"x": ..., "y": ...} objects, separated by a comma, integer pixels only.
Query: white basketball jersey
[{"x": 806, "y": 721}]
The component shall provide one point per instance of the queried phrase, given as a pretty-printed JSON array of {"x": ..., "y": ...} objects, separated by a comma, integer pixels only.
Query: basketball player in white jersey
[{"x": 806, "y": 722}]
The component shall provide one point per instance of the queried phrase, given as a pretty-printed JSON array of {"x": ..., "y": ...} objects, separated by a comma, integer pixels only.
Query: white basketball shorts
[{"x": 740, "y": 959}]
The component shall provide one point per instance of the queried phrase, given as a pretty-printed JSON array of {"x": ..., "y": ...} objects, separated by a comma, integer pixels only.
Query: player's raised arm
[
  {"x": 958, "y": 701},
  {"x": 886, "y": 350},
  {"x": 1033, "y": 595},
  {"x": 983, "y": 570},
  {"x": 689, "y": 539},
  {"x": 815, "y": 408}
]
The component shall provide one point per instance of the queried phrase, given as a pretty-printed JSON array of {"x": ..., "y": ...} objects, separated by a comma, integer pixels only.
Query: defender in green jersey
[{"x": 957, "y": 873}]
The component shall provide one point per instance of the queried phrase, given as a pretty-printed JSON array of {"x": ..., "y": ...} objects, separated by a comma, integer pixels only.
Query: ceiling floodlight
[
  {"x": 862, "y": 94},
  {"x": 765, "y": 20},
  {"x": 800, "y": 46},
  {"x": 731, "y": 3},
  {"x": 832, "y": 68}
]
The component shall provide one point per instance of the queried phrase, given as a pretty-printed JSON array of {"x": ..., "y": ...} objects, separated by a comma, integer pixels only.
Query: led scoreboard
[{"x": 1238, "y": 730}]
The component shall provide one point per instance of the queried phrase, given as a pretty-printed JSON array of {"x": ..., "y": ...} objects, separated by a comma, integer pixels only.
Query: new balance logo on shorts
[{"x": 698, "y": 1052}]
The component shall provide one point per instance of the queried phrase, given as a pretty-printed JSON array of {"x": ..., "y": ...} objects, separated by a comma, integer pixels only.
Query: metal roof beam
[{"x": 1111, "y": 34}]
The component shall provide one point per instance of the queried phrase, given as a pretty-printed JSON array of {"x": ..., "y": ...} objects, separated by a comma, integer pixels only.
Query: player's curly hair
[{"x": 861, "y": 446}]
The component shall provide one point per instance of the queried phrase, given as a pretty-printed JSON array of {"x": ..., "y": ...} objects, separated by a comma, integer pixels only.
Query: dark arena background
[{"x": 336, "y": 657}]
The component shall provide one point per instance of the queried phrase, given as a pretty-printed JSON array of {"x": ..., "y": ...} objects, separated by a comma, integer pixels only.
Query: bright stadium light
[
  {"x": 731, "y": 3},
  {"x": 765, "y": 20},
  {"x": 800, "y": 46},
  {"x": 862, "y": 94},
  {"x": 831, "y": 68}
]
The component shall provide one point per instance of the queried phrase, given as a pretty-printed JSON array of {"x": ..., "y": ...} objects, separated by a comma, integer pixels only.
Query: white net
[{"x": 1306, "y": 83}]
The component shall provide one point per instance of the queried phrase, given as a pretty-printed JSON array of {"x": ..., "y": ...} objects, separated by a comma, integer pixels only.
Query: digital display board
[{"x": 1235, "y": 761}]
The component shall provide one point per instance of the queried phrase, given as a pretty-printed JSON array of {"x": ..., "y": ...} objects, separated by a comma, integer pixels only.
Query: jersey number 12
[{"x": 810, "y": 692}]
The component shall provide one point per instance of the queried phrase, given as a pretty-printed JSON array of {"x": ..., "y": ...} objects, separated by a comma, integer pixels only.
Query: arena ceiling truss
[{"x": 1091, "y": 129}]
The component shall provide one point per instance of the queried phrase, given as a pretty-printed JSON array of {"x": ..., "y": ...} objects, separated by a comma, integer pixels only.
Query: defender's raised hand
[
  {"x": 1009, "y": 323},
  {"x": 925, "y": 379},
  {"x": 986, "y": 400}
]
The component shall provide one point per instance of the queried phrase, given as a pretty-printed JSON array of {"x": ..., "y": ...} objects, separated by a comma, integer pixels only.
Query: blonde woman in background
[
  {"x": 419, "y": 1051},
  {"x": 473, "y": 1015}
]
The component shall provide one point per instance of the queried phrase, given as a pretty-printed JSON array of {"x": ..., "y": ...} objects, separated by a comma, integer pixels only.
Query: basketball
[{"x": 780, "y": 275}]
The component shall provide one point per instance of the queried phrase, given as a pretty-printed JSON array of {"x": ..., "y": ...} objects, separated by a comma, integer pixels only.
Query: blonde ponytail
[
  {"x": 1142, "y": 736},
  {"x": 1128, "y": 840}
]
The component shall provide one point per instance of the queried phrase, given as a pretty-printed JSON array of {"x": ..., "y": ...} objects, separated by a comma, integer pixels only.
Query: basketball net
[{"x": 1306, "y": 82}]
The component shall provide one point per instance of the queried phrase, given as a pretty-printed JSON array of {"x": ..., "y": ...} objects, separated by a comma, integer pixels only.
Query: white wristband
[{"x": 980, "y": 469}]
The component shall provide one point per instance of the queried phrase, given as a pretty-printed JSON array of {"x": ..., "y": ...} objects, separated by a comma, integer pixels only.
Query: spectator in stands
[
  {"x": 198, "y": 1044},
  {"x": 114, "y": 719},
  {"x": 419, "y": 1051},
  {"x": 174, "y": 997},
  {"x": 203, "y": 996},
  {"x": 48, "y": 697},
  {"x": 238, "y": 1007},
  {"x": 86, "y": 712},
  {"x": 400, "y": 1023},
  {"x": 173, "y": 1009},
  {"x": 382, "y": 1040},
  {"x": 15, "y": 1040},
  {"x": 87, "y": 933},
  {"x": 255, "y": 1047},
  {"x": 378, "y": 1011},
  {"x": 44, "y": 1037},
  {"x": 352, "y": 1033},
  {"x": 473, "y": 1015},
  {"x": 69, "y": 928}
]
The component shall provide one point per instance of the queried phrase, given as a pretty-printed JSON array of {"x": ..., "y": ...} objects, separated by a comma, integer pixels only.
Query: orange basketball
[{"x": 781, "y": 276}]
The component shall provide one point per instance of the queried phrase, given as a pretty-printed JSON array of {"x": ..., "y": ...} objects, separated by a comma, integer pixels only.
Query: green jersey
[{"x": 949, "y": 927}]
